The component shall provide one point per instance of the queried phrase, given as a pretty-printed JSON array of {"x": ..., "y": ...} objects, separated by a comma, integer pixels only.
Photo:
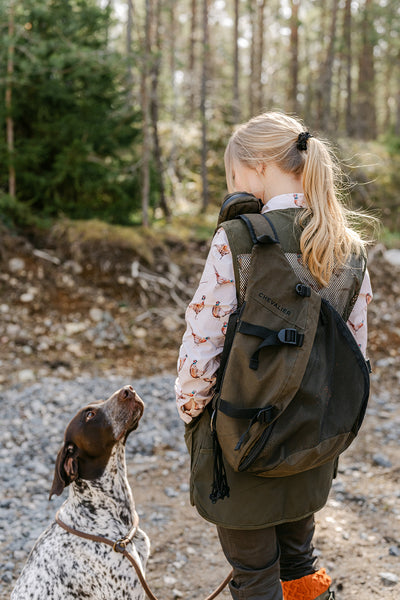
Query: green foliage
[
  {"x": 392, "y": 143},
  {"x": 74, "y": 132},
  {"x": 15, "y": 214},
  {"x": 374, "y": 171},
  {"x": 391, "y": 239},
  {"x": 77, "y": 137}
]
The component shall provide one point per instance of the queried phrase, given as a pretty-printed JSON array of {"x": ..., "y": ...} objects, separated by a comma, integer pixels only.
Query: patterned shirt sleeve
[
  {"x": 357, "y": 321},
  {"x": 206, "y": 321}
]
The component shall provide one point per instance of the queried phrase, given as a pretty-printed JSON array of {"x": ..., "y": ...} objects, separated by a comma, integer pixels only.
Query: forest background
[{"x": 119, "y": 110}]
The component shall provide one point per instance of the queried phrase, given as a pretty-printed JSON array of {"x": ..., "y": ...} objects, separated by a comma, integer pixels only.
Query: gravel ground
[{"x": 357, "y": 538}]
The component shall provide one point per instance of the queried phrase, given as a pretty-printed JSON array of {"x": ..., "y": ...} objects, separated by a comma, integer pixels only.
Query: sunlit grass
[
  {"x": 199, "y": 227},
  {"x": 142, "y": 240}
]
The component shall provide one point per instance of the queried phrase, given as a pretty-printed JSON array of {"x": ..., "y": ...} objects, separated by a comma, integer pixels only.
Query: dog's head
[{"x": 91, "y": 436}]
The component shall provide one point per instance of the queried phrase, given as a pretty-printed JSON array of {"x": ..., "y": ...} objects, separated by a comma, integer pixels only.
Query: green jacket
[{"x": 256, "y": 502}]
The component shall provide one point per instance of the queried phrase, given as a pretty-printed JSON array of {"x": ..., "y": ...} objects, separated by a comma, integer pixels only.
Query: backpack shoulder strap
[
  {"x": 261, "y": 229},
  {"x": 286, "y": 222},
  {"x": 240, "y": 243},
  {"x": 243, "y": 232}
]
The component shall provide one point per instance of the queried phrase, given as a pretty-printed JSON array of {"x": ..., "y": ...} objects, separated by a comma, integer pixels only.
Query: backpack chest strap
[{"x": 269, "y": 337}]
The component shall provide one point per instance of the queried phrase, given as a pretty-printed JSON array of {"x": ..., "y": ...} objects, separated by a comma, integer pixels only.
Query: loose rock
[{"x": 389, "y": 579}]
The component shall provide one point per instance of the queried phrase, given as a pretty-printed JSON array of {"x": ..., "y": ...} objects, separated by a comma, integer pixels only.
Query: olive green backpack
[{"x": 292, "y": 386}]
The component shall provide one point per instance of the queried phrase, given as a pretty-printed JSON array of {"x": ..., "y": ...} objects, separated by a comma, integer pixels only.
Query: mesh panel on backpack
[
  {"x": 244, "y": 262},
  {"x": 341, "y": 279}
]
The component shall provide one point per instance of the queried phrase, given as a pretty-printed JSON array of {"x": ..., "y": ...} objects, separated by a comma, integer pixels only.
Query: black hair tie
[{"x": 301, "y": 143}]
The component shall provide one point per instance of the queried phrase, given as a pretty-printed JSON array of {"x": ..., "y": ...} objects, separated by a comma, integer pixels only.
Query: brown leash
[{"x": 120, "y": 547}]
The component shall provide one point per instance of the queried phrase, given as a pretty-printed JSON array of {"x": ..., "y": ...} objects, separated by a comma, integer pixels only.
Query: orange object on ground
[{"x": 308, "y": 587}]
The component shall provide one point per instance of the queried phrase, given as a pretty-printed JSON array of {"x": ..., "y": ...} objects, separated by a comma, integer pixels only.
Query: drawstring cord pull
[{"x": 220, "y": 487}]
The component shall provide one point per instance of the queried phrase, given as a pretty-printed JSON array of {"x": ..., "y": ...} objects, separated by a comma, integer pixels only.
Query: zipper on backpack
[{"x": 257, "y": 448}]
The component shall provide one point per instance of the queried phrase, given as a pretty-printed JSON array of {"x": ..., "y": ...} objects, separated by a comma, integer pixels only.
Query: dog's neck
[{"x": 105, "y": 505}]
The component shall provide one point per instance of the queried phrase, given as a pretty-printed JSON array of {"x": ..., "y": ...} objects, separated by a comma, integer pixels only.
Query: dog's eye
[{"x": 90, "y": 414}]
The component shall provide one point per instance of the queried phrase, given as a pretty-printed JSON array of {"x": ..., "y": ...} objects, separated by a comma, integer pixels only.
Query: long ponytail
[{"x": 326, "y": 239}]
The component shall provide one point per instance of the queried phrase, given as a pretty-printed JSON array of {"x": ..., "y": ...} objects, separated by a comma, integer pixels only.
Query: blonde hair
[{"x": 326, "y": 240}]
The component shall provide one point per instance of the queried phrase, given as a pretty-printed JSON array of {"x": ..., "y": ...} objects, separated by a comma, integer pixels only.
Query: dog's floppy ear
[{"x": 66, "y": 469}]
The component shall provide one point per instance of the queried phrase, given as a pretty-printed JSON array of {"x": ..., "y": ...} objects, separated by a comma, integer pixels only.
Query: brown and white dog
[{"x": 92, "y": 462}]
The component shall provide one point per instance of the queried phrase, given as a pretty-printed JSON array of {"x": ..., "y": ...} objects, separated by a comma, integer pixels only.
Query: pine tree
[{"x": 69, "y": 112}]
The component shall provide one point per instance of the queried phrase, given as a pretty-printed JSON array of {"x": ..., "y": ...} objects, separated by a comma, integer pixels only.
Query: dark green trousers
[{"x": 261, "y": 558}]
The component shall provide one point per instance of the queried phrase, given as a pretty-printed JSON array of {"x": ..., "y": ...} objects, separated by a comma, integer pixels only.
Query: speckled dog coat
[{"x": 63, "y": 566}]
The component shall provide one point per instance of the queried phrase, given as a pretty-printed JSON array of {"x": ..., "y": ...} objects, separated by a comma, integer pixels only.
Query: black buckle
[
  {"x": 265, "y": 415},
  {"x": 291, "y": 336},
  {"x": 303, "y": 290}
]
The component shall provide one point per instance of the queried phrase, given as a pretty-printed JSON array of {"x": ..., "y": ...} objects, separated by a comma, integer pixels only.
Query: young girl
[{"x": 266, "y": 525}]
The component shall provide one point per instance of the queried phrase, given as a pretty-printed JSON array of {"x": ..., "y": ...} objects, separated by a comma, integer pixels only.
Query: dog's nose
[{"x": 127, "y": 393}]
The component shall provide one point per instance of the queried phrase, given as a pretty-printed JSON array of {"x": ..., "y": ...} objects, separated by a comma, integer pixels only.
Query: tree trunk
[
  {"x": 294, "y": 56},
  {"x": 204, "y": 80},
  {"x": 347, "y": 19},
  {"x": 258, "y": 57},
  {"x": 387, "y": 92},
  {"x": 145, "y": 101},
  {"x": 309, "y": 92},
  {"x": 366, "y": 122},
  {"x": 337, "y": 102},
  {"x": 154, "y": 112},
  {"x": 397, "y": 122},
  {"x": 236, "y": 99},
  {"x": 193, "y": 99},
  {"x": 8, "y": 103},
  {"x": 253, "y": 22},
  {"x": 129, "y": 54},
  {"x": 325, "y": 80},
  {"x": 108, "y": 7},
  {"x": 397, "y": 115},
  {"x": 172, "y": 163}
]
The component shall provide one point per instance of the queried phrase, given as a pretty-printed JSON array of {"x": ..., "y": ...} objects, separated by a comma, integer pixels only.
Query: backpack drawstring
[{"x": 220, "y": 487}]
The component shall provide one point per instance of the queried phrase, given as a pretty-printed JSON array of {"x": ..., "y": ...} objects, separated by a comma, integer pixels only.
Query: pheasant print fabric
[{"x": 207, "y": 318}]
